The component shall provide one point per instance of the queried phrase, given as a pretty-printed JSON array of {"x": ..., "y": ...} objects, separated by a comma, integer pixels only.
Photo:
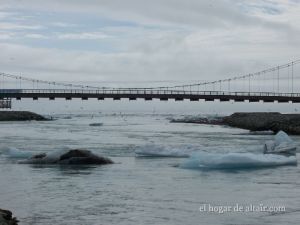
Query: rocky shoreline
[
  {"x": 6, "y": 218},
  {"x": 256, "y": 121},
  {"x": 20, "y": 116}
]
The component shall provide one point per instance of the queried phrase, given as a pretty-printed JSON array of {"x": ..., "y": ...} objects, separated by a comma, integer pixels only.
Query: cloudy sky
[{"x": 134, "y": 42}]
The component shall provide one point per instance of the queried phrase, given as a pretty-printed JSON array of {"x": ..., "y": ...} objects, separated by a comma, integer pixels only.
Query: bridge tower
[{"x": 5, "y": 103}]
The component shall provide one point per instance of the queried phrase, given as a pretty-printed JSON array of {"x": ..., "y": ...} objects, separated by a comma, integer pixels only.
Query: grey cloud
[{"x": 195, "y": 13}]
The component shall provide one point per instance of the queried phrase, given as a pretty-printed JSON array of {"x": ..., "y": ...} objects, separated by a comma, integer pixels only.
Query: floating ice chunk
[
  {"x": 202, "y": 160},
  {"x": 281, "y": 136},
  {"x": 161, "y": 151},
  {"x": 15, "y": 153},
  {"x": 282, "y": 144}
]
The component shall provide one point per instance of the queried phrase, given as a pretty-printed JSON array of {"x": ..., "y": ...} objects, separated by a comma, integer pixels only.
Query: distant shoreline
[
  {"x": 21, "y": 116},
  {"x": 253, "y": 121}
]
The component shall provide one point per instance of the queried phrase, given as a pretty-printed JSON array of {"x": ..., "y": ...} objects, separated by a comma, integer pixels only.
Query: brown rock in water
[
  {"x": 20, "y": 116},
  {"x": 289, "y": 123},
  {"x": 6, "y": 218}
]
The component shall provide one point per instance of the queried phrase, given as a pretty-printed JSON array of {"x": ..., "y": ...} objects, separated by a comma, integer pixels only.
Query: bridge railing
[{"x": 145, "y": 92}]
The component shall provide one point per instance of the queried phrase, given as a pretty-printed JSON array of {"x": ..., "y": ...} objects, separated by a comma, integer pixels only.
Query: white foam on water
[
  {"x": 202, "y": 160},
  {"x": 14, "y": 153},
  {"x": 164, "y": 151}
]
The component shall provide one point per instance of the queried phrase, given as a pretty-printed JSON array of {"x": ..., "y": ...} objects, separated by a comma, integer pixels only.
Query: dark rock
[
  {"x": 72, "y": 157},
  {"x": 6, "y": 218},
  {"x": 75, "y": 153},
  {"x": 289, "y": 123},
  {"x": 39, "y": 156},
  {"x": 199, "y": 120},
  {"x": 256, "y": 121},
  {"x": 78, "y": 156},
  {"x": 95, "y": 124},
  {"x": 20, "y": 116}
]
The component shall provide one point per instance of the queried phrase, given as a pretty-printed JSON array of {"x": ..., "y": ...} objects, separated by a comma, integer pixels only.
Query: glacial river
[{"x": 141, "y": 190}]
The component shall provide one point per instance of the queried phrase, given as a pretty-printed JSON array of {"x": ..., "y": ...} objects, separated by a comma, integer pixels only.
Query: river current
[{"x": 141, "y": 190}]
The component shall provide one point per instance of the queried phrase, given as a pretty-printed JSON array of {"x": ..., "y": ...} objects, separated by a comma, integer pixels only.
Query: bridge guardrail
[{"x": 146, "y": 92}]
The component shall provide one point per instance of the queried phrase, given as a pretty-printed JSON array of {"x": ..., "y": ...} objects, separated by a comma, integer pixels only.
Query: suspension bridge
[{"x": 277, "y": 84}]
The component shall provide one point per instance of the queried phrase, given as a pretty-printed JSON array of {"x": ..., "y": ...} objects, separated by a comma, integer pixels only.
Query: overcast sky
[{"x": 134, "y": 42}]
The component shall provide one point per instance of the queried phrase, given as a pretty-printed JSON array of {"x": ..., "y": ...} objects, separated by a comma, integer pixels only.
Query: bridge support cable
[
  {"x": 262, "y": 81},
  {"x": 278, "y": 79},
  {"x": 292, "y": 67}
]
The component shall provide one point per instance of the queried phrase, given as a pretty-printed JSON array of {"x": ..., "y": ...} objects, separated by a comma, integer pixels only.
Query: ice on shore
[
  {"x": 203, "y": 160},
  {"x": 281, "y": 144},
  {"x": 164, "y": 151}
]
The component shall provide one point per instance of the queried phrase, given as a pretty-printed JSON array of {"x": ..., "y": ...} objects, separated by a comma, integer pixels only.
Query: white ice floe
[
  {"x": 282, "y": 144},
  {"x": 15, "y": 153},
  {"x": 164, "y": 151},
  {"x": 202, "y": 160}
]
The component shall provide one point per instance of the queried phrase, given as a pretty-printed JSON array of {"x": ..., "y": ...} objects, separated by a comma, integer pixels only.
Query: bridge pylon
[{"x": 5, "y": 103}]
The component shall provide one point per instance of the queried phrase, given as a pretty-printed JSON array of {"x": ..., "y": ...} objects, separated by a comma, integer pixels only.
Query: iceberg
[
  {"x": 203, "y": 160},
  {"x": 282, "y": 144},
  {"x": 15, "y": 153}
]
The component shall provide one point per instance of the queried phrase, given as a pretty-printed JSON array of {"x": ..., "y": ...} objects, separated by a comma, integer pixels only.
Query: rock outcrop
[
  {"x": 199, "y": 120},
  {"x": 20, "y": 116},
  {"x": 70, "y": 157},
  {"x": 256, "y": 121},
  {"x": 6, "y": 218},
  {"x": 289, "y": 123}
]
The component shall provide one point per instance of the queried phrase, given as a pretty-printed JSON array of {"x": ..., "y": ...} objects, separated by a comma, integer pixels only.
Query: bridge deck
[{"x": 148, "y": 94}]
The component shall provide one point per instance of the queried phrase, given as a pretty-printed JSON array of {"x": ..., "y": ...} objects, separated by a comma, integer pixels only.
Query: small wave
[
  {"x": 202, "y": 160},
  {"x": 162, "y": 151},
  {"x": 15, "y": 153}
]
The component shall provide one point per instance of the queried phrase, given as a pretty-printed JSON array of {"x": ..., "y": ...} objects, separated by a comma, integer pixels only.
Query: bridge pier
[
  {"x": 239, "y": 100},
  {"x": 178, "y": 99},
  {"x": 268, "y": 101},
  {"x": 224, "y": 99},
  {"x": 254, "y": 100},
  {"x": 282, "y": 101},
  {"x": 163, "y": 99}
]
